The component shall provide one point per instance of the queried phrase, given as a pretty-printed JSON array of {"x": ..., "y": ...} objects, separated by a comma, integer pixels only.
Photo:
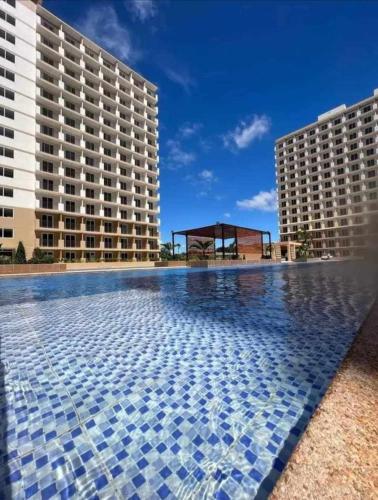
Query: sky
[{"x": 233, "y": 76}]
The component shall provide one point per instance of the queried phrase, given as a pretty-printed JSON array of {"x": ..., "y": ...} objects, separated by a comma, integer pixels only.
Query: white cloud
[
  {"x": 142, "y": 9},
  {"x": 227, "y": 215},
  {"x": 206, "y": 175},
  {"x": 181, "y": 77},
  {"x": 189, "y": 129},
  {"x": 266, "y": 201},
  {"x": 246, "y": 132},
  {"x": 103, "y": 26},
  {"x": 177, "y": 157}
]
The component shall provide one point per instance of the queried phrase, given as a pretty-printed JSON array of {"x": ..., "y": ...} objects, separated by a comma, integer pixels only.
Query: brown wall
[
  {"x": 82, "y": 266},
  {"x": 171, "y": 263},
  {"x": 31, "y": 268},
  {"x": 23, "y": 225}
]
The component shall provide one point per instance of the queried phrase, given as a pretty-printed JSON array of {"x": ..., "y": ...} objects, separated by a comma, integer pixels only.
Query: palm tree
[
  {"x": 305, "y": 239},
  {"x": 167, "y": 249},
  {"x": 202, "y": 245}
]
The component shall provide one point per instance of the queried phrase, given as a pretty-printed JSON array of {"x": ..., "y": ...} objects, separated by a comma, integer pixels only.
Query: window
[
  {"x": 47, "y": 166},
  {"x": 9, "y": 153},
  {"x": 70, "y": 155},
  {"x": 70, "y": 105},
  {"x": 7, "y": 17},
  {"x": 70, "y": 240},
  {"x": 47, "y": 130},
  {"x": 6, "y": 172},
  {"x": 47, "y": 185},
  {"x": 47, "y": 148},
  {"x": 70, "y": 172},
  {"x": 108, "y": 227},
  {"x": 69, "y": 138},
  {"x": 8, "y": 94},
  {"x": 46, "y": 221},
  {"x": 6, "y": 74},
  {"x": 107, "y": 212},
  {"x": 69, "y": 121},
  {"x": 90, "y": 225},
  {"x": 7, "y": 113},
  {"x": 47, "y": 95},
  {"x": 47, "y": 240},
  {"x": 5, "y": 54},
  {"x": 69, "y": 189},
  {"x": 7, "y": 36},
  {"x": 108, "y": 197},
  {"x": 6, "y": 212},
  {"x": 70, "y": 206},
  {"x": 90, "y": 209},
  {"x": 47, "y": 203},
  {"x": 90, "y": 242},
  {"x": 89, "y": 193},
  {"x": 6, "y": 233},
  {"x": 47, "y": 112}
]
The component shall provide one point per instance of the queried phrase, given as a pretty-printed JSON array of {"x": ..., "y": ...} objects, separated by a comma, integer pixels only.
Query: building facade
[
  {"x": 78, "y": 144},
  {"x": 327, "y": 179}
]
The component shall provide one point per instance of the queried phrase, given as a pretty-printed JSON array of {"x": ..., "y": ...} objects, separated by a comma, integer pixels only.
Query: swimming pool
[{"x": 167, "y": 383}]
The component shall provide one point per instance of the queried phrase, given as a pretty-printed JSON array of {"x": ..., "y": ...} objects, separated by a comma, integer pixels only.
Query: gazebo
[{"x": 247, "y": 242}]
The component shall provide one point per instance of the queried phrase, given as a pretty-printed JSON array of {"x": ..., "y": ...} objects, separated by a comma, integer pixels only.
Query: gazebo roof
[{"x": 219, "y": 230}]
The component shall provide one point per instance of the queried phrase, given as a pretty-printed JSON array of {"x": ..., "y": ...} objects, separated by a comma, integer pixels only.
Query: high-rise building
[
  {"x": 327, "y": 179},
  {"x": 78, "y": 144}
]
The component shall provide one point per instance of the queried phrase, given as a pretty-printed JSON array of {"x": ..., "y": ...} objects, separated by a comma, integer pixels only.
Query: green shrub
[
  {"x": 41, "y": 257},
  {"x": 20, "y": 255}
]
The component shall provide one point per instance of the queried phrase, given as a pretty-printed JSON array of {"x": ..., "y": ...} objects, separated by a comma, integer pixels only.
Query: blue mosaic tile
[{"x": 167, "y": 384}]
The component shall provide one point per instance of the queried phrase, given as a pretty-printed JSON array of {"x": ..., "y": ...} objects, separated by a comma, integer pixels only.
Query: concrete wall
[
  {"x": 83, "y": 266},
  {"x": 31, "y": 268},
  {"x": 171, "y": 263}
]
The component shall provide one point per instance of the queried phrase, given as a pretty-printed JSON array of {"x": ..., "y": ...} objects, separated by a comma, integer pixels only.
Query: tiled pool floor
[{"x": 169, "y": 384}]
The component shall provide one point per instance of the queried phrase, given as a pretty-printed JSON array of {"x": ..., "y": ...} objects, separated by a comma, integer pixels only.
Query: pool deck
[{"x": 337, "y": 456}]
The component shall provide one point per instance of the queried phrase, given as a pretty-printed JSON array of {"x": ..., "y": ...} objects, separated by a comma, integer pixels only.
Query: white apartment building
[
  {"x": 78, "y": 143},
  {"x": 327, "y": 179}
]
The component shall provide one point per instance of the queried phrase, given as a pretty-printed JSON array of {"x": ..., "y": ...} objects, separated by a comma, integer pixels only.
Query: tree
[
  {"x": 167, "y": 250},
  {"x": 40, "y": 257},
  {"x": 203, "y": 246},
  {"x": 305, "y": 239},
  {"x": 20, "y": 255}
]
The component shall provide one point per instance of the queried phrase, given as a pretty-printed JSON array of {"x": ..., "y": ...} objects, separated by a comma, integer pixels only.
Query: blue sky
[{"x": 233, "y": 76}]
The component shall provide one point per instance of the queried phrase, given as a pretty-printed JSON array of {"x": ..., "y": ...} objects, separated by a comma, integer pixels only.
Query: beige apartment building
[
  {"x": 78, "y": 144},
  {"x": 327, "y": 179}
]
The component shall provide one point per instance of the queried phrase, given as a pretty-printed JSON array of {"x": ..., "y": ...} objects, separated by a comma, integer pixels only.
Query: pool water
[{"x": 167, "y": 383}]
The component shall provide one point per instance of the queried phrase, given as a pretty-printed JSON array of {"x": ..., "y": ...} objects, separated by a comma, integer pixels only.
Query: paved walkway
[{"x": 337, "y": 457}]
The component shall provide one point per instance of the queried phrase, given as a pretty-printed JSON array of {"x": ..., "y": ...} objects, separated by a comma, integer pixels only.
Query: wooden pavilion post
[
  {"x": 223, "y": 252},
  {"x": 236, "y": 243}
]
